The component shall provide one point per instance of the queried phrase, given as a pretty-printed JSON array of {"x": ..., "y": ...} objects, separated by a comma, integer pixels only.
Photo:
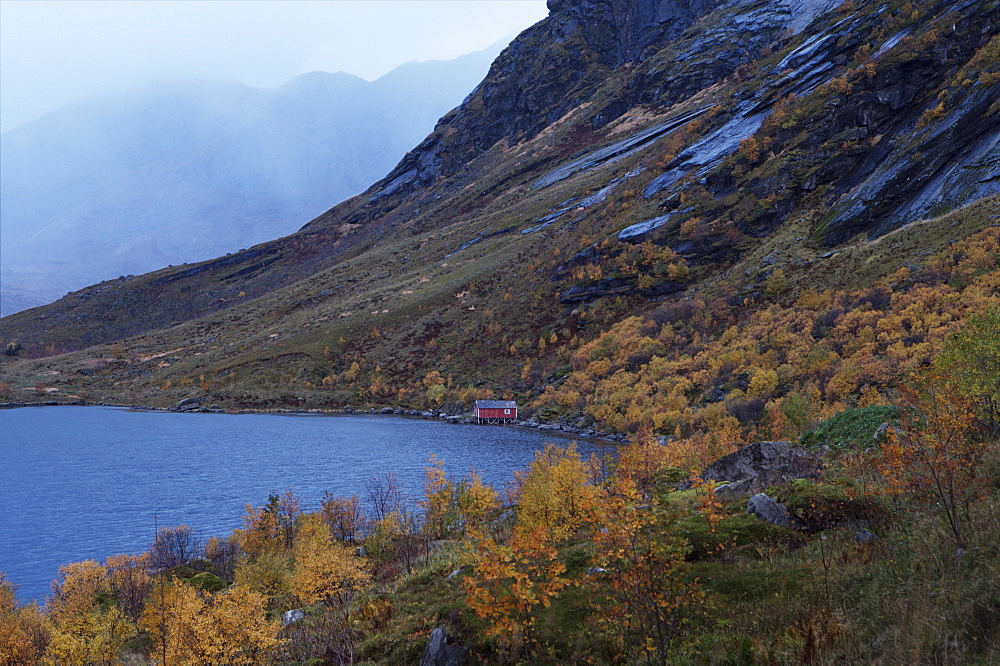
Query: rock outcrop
[
  {"x": 559, "y": 63},
  {"x": 755, "y": 467},
  {"x": 440, "y": 653},
  {"x": 770, "y": 511}
]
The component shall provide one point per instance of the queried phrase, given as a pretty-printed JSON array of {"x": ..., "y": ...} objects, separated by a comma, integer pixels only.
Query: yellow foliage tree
[
  {"x": 188, "y": 627},
  {"x": 440, "y": 512},
  {"x": 260, "y": 530},
  {"x": 476, "y": 501},
  {"x": 642, "y": 591},
  {"x": 326, "y": 571},
  {"x": 642, "y": 459},
  {"x": 24, "y": 631},
  {"x": 451, "y": 507},
  {"x": 85, "y": 629},
  {"x": 935, "y": 455},
  {"x": 268, "y": 574},
  {"x": 510, "y": 583},
  {"x": 554, "y": 492}
]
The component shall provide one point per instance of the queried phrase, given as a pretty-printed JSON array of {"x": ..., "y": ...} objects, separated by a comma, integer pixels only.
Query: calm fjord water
[{"x": 86, "y": 482}]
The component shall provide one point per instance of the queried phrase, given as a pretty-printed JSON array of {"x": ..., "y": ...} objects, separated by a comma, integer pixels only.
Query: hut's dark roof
[{"x": 496, "y": 404}]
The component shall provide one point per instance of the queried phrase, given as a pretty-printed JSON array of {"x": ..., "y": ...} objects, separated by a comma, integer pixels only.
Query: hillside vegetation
[
  {"x": 887, "y": 553},
  {"x": 741, "y": 222},
  {"x": 504, "y": 274}
]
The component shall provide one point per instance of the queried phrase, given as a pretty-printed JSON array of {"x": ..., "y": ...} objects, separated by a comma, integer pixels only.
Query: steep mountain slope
[
  {"x": 188, "y": 172},
  {"x": 622, "y": 162}
]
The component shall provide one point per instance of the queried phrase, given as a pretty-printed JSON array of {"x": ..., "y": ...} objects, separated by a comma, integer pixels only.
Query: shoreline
[{"x": 194, "y": 406}]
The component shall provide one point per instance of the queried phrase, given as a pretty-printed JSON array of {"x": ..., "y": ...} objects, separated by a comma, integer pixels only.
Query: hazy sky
[{"x": 53, "y": 53}]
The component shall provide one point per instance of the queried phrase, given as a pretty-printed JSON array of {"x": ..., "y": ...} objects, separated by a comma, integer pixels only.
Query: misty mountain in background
[{"x": 186, "y": 172}]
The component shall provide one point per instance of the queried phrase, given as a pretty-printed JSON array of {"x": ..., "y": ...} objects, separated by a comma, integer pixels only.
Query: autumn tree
[
  {"x": 268, "y": 574},
  {"x": 395, "y": 538},
  {"x": 259, "y": 532},
  {"x": 554, "y": 492},
  {"x": 643, "y": 592},
  {"x": 24, "y": 632},
  {"x": 384, "y": 494},
  {"x": 642, "y": 459},
  {"x": 776, "y": 283},
  {"x": 233, "y": 628},
  {"x": 344, "y": 517},
  {"x": 224, "y": 555},
  {"x": 511, "y": 583},
  {"x": 173, "y": 546},
  {"x": 972, "y": 359},
  {"x": 286, "y": 508},
  {"x": 326, "y": 571},
  {"x": 164, "y": 618},
  {"x": 129, "y": 581},
  {"x": 86, "y": 625},
  {"x": 186, "y": 626},
  {"x": 440, "y": 512},
  {"x": 935, "y": 454},
  {"x": 476, "y": 501},
  {"x": 450, "y": 506}
]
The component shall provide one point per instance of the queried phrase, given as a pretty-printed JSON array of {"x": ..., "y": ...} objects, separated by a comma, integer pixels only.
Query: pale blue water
[{"x": 86, "y": 482}]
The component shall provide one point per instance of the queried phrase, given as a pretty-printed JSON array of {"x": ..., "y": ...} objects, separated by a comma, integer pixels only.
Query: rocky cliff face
[
  {"x": 670, "y": 49},
  {"x": 621, "y": 32},
  {"x": 615, "y": 56},
  {"x": 549, "y": 70}
]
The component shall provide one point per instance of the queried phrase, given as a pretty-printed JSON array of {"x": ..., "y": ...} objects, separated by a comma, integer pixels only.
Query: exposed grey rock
[
  {"x": 454, "y": 574},
  {"x": 440, "y": 653},
  {"x": 489, "y": 233},
  {"x": 619, "y": 149},
  {"x": 960, "y": 163},
  {"x": 555, "y": 65},
  {"x": 639, "y": 232},
  {"x": 291, "y": 617},
  {"x": 187, "y": 404},
  {"x": 593, "y": 571},
  {"x": 755, "y": 467},
  {"x": 582, "y": 204},
  {"x": 618, "y": 287},
  {"x": 506, "y": 519},
  {"x": 769, "y": 511},
  {"x": 708, "y": 151},
  {"x": 865, "y": 537}
]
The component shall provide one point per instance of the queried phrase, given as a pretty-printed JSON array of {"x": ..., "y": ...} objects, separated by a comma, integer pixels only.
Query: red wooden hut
[{"x": 495, "y": 411}]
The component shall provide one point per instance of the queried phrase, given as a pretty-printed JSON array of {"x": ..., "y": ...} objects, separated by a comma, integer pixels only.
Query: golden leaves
[{"x": 190, "y": 627}]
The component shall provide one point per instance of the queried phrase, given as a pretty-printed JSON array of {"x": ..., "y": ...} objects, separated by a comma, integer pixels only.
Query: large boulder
[
  {"x": 186, "y": 405},
  {"x": 291, "y": 617},
  {"x": 440, "y": 653},
  {"x": 770, "y": 511},
  {"x": 758, "y": 466}
]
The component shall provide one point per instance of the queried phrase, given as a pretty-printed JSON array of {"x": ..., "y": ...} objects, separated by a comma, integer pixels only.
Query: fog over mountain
[{"x": 184, "y": 172}]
